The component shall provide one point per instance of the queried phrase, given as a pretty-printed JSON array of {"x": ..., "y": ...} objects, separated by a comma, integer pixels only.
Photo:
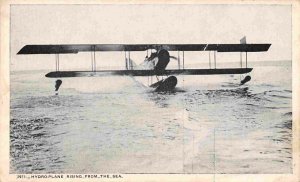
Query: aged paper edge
[{"x": 5, "y": 95}]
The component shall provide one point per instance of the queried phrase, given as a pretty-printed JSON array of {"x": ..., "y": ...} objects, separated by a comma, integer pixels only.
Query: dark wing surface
[
  {"x": 58, "y": 74},
  {"x": 75, "y": 48},
  {"x": 238, "y": 47}
]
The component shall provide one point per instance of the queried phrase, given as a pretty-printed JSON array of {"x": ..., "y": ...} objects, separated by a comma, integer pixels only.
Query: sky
[{"x": 146, "y": 24}]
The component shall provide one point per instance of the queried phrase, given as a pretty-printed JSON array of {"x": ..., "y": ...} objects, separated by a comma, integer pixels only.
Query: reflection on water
[{"x": 204, "y": 126}]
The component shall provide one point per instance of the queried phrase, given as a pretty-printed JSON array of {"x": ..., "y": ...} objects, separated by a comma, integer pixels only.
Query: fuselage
[{"x": 163, "y": 60}]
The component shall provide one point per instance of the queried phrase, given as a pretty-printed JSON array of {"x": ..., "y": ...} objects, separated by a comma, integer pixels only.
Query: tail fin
[{"x": 243, "y": 40}]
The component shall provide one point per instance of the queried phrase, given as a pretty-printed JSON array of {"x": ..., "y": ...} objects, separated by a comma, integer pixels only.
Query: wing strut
[
  {"x": 92, "y": 61},
  {"x": 246, "y": 60},
  {"x": 125, "y": 60},
  {"x": 183, "y": 59},
  {"x": 178, "y": 59},
  {"x": 95, "y": 66},
  {"x": 209, "y": 59},
  {"x": 241, "y": 59},
  {"x": 215, "y": 59},
  {"x": 93, "y": 58},
  {"x": 130, "y": 63},
  {"x": 57, "y": 62}
]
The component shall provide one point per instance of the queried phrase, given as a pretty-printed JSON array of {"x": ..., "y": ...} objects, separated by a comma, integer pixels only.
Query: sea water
[{"x": 116, "y": 124}]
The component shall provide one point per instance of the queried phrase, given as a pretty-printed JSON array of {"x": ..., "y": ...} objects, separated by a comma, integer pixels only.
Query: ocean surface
[{"x": 115, "y": 124}]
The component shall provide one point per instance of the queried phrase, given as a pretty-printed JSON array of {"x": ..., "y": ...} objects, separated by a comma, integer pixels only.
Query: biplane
[{"x": 156, "y": 63}]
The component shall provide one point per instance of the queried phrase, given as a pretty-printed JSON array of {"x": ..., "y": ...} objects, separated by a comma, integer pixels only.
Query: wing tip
[{"x": 22, "y": 50}]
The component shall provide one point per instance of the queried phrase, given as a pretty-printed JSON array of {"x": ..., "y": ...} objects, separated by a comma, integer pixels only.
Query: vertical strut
[
  {"x": 95, "y": 67},
  {"x": 57, "y": 62},
  {"x": 178, "y": 55},
  {"x": 215, "y": 59},
  {"x": 129, "y": 60},
  {"x": 57, "y": 59},
  {"x": 92, "y": 61},
  {"x": 128, "y": 63},
  {"x": 126, "y": 66},
  {"x": 209, "y": 60},
  {"x": 241, "y": 59},
  {"x": 246, "y": 60},
  {"x": 183, "y": 59}
]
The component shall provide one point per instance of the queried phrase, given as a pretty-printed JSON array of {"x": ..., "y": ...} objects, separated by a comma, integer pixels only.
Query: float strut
[{"x": 57, "y": 85}]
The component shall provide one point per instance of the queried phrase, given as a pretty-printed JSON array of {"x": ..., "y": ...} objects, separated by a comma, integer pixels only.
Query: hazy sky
[{"x": 130, "y": 24}]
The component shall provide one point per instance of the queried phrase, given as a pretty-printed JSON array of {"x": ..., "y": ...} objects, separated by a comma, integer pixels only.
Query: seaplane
[{"x": 154, "y": 64}]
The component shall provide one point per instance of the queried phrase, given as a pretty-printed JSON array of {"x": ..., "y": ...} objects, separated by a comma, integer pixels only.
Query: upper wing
[
  {"x": 75, "y": 48},
  {"x": 238, "y": 47}
]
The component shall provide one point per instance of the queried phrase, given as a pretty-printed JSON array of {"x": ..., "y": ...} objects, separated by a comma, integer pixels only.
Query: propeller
[{"x": 173, "y": 57}]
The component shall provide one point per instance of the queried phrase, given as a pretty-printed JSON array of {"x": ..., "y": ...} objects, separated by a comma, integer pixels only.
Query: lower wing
[{"x": 57, "y": 74}]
